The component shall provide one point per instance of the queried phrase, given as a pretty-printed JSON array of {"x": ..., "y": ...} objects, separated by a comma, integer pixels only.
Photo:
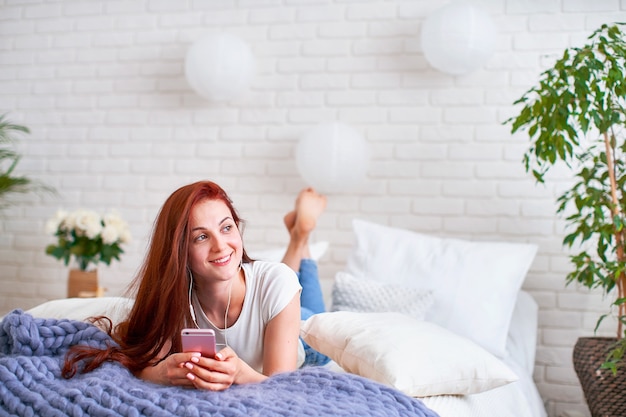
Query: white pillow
[
  {"x": 416, "y": 357},
  {"x": 475, "y": 283},
  {"x": 115, "y": 308},
  {"x": 276, "y": 254},
  {"x": 367, "y": 296}
]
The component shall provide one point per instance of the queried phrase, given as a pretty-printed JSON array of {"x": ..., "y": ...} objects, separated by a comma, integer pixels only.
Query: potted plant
[
  {"x": 9, "y": 158},
  {"x": 576, "y": 117},
  {"x": 88, "y": 239}
]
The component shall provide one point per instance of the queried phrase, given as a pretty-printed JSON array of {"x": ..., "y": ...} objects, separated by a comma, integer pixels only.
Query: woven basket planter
[{"x": 605, "y": 394}]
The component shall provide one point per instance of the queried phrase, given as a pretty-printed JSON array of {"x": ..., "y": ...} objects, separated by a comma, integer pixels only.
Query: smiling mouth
[{"x": 221, "y": 261}]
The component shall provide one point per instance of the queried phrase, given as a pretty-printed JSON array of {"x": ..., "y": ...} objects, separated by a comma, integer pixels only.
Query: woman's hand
[
  {"x": 213, "y": 374},
  {"x": 220, "y": 373},
  {"x": 170, "y": 371},
  {"x": 193, "y": 370}
]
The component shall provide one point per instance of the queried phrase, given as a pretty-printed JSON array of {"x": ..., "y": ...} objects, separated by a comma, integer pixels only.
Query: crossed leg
[{"x": 300, "y": 223}]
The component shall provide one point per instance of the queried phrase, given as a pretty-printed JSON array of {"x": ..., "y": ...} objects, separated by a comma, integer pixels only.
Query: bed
[{"x": 418, "y": 326}]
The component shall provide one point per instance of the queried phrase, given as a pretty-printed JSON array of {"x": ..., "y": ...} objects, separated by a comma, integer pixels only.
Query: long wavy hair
[{"x": 161, "y": 307}]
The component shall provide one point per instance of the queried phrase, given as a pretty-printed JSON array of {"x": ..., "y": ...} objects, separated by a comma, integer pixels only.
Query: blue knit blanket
[{"x": 32, "y": 351}]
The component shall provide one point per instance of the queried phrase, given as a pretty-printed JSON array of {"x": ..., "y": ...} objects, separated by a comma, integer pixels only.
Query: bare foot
[
  {"x": 300, "y": 222},
  {"x": 309, "y": 206},
  {"x": 290, "y": 220}
]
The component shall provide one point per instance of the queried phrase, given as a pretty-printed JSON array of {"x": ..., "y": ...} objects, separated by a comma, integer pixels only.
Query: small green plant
[
  {"x": 576, "y": 116},
  {"x": 9, "y": 158}
]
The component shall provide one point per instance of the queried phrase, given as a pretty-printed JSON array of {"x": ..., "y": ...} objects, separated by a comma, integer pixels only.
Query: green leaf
[
  {"x": 10, "y": 182},
  {"x": 618, "y": 223}
]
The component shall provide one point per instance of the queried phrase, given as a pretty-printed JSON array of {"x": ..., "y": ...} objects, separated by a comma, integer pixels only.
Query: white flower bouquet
[{"x": 87, "y": 237}]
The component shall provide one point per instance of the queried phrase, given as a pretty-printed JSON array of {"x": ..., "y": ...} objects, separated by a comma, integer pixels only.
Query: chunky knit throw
[{"x": 32, "y": 351}]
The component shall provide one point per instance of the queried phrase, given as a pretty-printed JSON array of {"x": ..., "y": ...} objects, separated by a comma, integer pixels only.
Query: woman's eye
[
  {"x": 227, "y": 228},
  {"x": 200, "y": 238}
]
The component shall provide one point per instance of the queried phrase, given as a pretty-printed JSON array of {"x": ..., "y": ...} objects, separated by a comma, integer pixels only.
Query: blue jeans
[{"x": 311, "y": 302}]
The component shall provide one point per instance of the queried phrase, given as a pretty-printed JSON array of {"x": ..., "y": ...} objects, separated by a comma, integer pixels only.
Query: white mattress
[{"x": 518, "y": 399}]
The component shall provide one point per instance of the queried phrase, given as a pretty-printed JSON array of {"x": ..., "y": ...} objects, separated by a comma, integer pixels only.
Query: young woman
[{"x": 197, "y": 274}]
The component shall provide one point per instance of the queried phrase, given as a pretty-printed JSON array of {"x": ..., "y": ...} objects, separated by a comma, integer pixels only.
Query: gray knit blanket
[{"x": 32, "y": 351}]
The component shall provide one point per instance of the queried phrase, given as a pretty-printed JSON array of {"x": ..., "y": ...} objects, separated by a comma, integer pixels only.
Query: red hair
[{"x": 161, "y": 308}]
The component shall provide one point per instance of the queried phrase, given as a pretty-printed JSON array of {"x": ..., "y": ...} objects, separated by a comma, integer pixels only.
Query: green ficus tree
[{"x": 576, "y": 116}]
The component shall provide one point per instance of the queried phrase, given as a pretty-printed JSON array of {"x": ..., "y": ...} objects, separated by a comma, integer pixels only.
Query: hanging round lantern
[
  {"x": 219, "y": 67},
  {"x": 332, "y": 157},
  {"x": 458, "y": 38}
]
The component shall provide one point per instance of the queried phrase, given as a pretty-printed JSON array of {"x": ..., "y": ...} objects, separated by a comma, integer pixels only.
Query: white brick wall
[{"x": 114, "y": 125}]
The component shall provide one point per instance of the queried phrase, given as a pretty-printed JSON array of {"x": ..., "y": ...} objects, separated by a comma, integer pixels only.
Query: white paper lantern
[
  {"x": 458, "y": 38},
  {"x": 219, "y": 67},
  {"x": 332, "y": 158}
]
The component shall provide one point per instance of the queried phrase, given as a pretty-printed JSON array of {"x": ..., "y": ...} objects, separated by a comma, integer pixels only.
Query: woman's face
[{"x": 216, "y": 248}]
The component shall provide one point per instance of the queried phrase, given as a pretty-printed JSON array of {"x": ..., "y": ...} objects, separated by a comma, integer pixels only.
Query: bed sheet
[
  {"x": 517, "y": 399},
  {"x": 32, "y": 352}
]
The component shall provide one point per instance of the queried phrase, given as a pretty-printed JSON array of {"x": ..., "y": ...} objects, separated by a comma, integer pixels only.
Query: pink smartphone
[{"x": 199, "y": 340}]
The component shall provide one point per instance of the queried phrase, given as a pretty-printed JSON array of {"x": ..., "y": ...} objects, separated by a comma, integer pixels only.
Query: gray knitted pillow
[{"x": 366, "y": 296}]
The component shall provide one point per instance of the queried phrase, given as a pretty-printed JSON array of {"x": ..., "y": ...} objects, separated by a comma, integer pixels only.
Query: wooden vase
[{"x": 82, "y": 283}]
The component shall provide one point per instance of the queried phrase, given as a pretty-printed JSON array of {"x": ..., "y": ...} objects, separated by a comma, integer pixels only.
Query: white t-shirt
[{"x": 270, "y": 286}]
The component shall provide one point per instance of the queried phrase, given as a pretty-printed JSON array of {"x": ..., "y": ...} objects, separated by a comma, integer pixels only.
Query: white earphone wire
[
  {"x": 230, "y": 290},
  {"x": 191, "y": 309},
  {"x": 193, "y": 312}
]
